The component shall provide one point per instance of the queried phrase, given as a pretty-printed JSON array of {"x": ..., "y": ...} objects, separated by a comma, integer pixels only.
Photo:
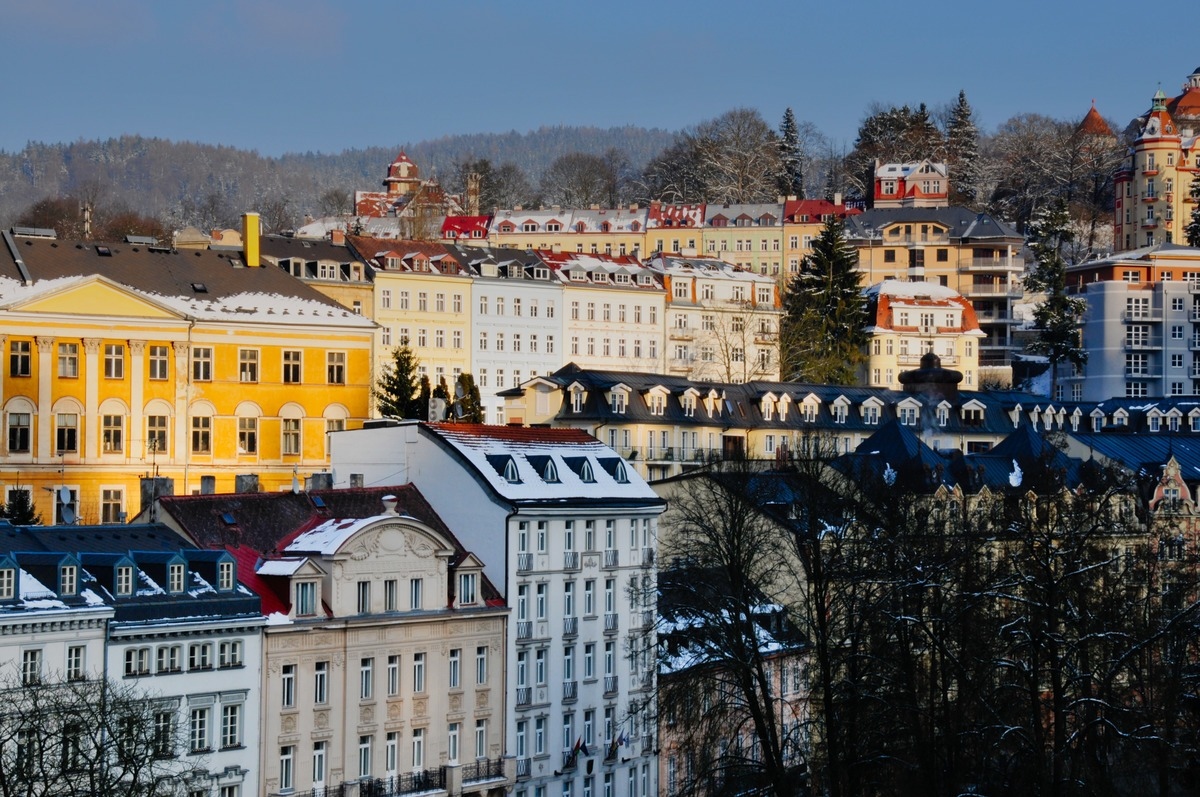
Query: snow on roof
[
  {"x": 280, "y": 567},
  {"x": 328, "y": 537},
  {"x": 489, "y": 448},
  {"x": 911, "y": 290}
]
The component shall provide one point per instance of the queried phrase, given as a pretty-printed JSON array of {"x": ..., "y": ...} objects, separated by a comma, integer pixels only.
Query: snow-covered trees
[
  {"x": 891, "y": 135},
  {"x": 825, "y": 315},
  {"x": 1058, "y": 317},
  {"x": 791, "y": 157},
  {"x": 962, "y": 153}
]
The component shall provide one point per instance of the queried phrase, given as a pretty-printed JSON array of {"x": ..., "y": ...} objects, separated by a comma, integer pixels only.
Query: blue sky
[{"x": 298, "y": 75}]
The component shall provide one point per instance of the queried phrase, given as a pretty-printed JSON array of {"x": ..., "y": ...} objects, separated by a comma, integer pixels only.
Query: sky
[{"x": 281, "y": 76}]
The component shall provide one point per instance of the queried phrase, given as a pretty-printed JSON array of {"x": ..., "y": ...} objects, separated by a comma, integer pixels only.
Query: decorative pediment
[{"x": 93, "y": 296}]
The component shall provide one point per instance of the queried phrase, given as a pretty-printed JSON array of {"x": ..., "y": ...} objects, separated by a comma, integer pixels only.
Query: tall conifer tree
[{"x": 1057, "y": 318}]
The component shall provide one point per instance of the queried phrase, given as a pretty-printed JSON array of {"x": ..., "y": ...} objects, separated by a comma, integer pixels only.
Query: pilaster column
[
  {"x": 137, "y": 400},
  {"x": 182, "y": 382},
  {"x": 45, "y": 425},
  {"x": 90, "y": 422}
]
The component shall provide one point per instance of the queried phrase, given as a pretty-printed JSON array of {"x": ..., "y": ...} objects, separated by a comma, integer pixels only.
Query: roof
[
  {"x": 962, "y": 223},
  {"x": 466, "y": 226},
  {"x": 815, "y": 209},
  {"x": 1093, "y": 124},
  {"x": 542, "y": 465},
  {"x": 200, "y": 284}
]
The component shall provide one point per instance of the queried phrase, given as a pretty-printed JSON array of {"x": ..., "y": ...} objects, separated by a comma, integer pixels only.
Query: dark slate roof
[
  {"x": 963, "y": 223},
  {"x": 155, "y": 270}
]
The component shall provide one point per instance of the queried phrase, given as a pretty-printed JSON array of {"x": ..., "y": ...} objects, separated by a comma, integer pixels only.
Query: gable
[{"x": 95, "y": 297}]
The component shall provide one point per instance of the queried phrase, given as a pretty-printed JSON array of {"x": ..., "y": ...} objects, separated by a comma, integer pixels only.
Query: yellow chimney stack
[{"x": 250, "y": 230}]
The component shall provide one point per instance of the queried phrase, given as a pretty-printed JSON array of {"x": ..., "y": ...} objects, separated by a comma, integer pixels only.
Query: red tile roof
[
  {"x": 514, "y": 434},
  {"x": 815, "y": 209},
  {"x": 1093, "y": 124},
  {"x": 464, "y": 226}
]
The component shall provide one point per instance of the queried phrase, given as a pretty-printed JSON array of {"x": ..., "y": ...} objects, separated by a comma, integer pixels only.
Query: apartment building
[
  {"x": 802, "y": 223},
  {"x": 615, "y": 232},
  {"x": 748, "y": 235}
]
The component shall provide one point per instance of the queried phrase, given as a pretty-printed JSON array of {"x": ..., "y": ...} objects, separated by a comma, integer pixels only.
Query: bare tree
[{"x": 335, "y": 202}]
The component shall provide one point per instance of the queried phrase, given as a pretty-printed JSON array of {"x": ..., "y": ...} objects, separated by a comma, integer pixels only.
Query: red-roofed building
[
  {"x": 466, "y": 230},
  {"x": 1153, "y": 202},
  {"x": 802, "y": 222},
  {"x": 381, "y": 627},
  {"x": 919, "y": 184}
]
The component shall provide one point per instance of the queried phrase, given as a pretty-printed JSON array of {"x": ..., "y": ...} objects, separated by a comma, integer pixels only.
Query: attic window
[
  {"x": 550, "y": 472},
  {"x": 228, "y": 519},
  {"x": 510, "y": 472},
  {"x": 318, "y": 502},
  {"x": 8, "y": 583},
  {"x": 620, "y": 475},
  {"x": 103, "y": 251},
  {"x": 225, "y": 579},
  {"x": 585, "y": 473},
  {"x": 124, "y": 580},
  {"x": 176, "y": 574},
  {"x": 199, "y": 287},
  {"x": 68, "y": 580}
]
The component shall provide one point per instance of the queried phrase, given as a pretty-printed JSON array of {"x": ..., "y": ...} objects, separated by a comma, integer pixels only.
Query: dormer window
[
  {"x": 550, "y": 472},
  {"x": 468, "y": 588},
  {"x": 578, "y": 395},
  {"x": 1154, "y": 423},
  {"x": 620, "y": 475},
  {"x": 839, "y": 413},
  {"x": 68, "y": 580},
  {"x": 808, "y": 412},
  {"x": 768, "y": 410},
  {"x": 908, "y": 416},
  {"x": 943, "y": 414},
  {"x": 124, "y": 580},
  {"x": 306, "y": 598},
  {"x": 617, "y": 401},
  {"x": 585, "y": 473},
  {"x": 225, "y": 578},
  {"x": 175, "y": 578},
  {"x": 510, "y": 473},
  {"x": 689, "y": 406},
  {"x": 658, "y": 404},
  {"x": 553, "y": 226},
  {"x": 871, "y": 415},
  {"x": 8, "y": 583}
]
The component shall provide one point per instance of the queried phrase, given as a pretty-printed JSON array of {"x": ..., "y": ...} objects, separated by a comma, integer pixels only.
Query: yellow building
[
  {"x": 912, "y": 319},
  {"x": 127, "y": 362},
  {"x": 422, "y": 299},
  {"x": 747, "y": 235},
  {"x": 596, "y": 231},
  {"x": 329, "y": 266},
  {"x": 802, "y": 223},
  {"x": 1153, "y": 202}
]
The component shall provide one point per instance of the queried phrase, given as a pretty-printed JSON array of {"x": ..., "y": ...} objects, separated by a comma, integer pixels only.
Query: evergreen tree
[
  {"x": 19, "y": 510},
  {"x": 825, "y": 321},
  {"x": 962, "y": 152},
  {"x": 470, "y": 404},
  {"x": 1057, "y": 317},
  {"x": 396, "y": 391},
  {"x": 424, "y": 393},
  {"x": 791, "y": 158},
  {"x": 442, "y": 390},
  {"x": 1192, "y": 230}
]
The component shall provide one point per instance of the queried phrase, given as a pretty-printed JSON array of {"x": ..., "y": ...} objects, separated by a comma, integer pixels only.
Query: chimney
[
  {"x": 337, "y": 237},
  {"x": 633, "y": 208},
  {"x": 250, "y": 231},
  {"x": 473, "y": 190},
  {"x": 837, "y": 198}
]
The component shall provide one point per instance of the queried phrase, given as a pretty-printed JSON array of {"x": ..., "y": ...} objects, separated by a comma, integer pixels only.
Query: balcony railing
[
  {"x": 612, "y": 558},
  {"x": 610, "y": 685},
  {"x": 524, "y": 696},
  {"x": 523, "y": 767},
  {"x": 1147, "y": 314},
  {"x": 993, "y": 290},
  {"x": 610, "y": 623},
  {"x": 570, "y": 690},
  {"x": 570, "y": 626},
  {"x": 571, "y": 560},
  {"x": 1149, "y": 342},
  {"x": 326, "y": 791},
  {"x": 409, "y": 783},
  {"x": 524, "y": 562},
  {"x": 647, "y": 557},
  {"x": 524, "y": 630},
  {"x": 484, "y": 769}
]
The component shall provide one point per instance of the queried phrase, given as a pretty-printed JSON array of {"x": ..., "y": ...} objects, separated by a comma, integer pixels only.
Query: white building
[{"x": 567, "y": 532}]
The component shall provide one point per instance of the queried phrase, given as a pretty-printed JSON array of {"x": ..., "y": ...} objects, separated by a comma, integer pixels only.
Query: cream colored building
[
  {"x": 722, "y": 320},
  {"x": 910, "y": 319}
]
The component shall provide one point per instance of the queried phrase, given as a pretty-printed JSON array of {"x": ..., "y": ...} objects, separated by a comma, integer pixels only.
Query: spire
[{"x": 1093, "y": 124}]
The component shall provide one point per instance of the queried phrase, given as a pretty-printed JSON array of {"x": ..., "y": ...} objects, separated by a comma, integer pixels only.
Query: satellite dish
[
  {"x": 459, "y": 393},
  {"x": 67, "y": 514},
  {"x": 64, "y": 496}
]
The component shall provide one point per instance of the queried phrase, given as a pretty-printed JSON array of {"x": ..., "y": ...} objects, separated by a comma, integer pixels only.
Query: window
[
  {"x": 321, "y": 683},
  {"x": 287, "y": 775},
  {"x": 19, "y": 432},
  {"x": 366, "y": 678},
  {"x": 229, "y": 653},
  {"x": 415, "y": 589},
  {"x": 164, "y": 734},
  {"x": 19, "y": 358},
  {"x": 111, "y": 502},
  {"x": 247, "y": 435},
  {"x": 68, "y": 360},
  {"x": 76, "y": 658},
  {"x": 391, "y": 753},
  {"x": 231, "y": 728},
  {"x": 539, "y": 736},
  {"x": 202, "y": 435},
  {"x": 481, "y": 738},
  {"x": 539, "y": 667},
  {"x": 481, "y": 664},
  {"x": 68, "y": 579},
  {"x": 137, "y": 661},
  {"x": 452, "y": 742},
  {"x": 202, "y": 364},
  {"x": 418, "y": 748},
  {"x": 31, "y": 666},
  {"x": 306, "y": 598},
  {"x": 198, "y": 734},
  {"x": 66, "y": 432},
  {"x": 540, "y": 600},
  {"x": 7, "y": 583},
  {"x": 335, "y": 367},
  {"x": 393, "y": 675},
  {"x": 467, "y": 592},
  {"x": 418, "y": 672},
  {"x": 318, "y": 764},
  {"x": 291, "y": 367},
  {"x": 455, "y": 672},
  {"x": 385, "y": 298},
  {"x": 290, "y": 444},
  {"x": 287, "y": 683},
  {"x": 200, "y": 656},
  {"x": 175, "y": 578}
]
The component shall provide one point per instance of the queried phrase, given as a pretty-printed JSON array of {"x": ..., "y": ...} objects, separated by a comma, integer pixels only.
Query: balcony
[
  {"x": 1194, "y": 372},
  {"x": 1142, "y": 316},
  {"x": 1142, "y": 344},
  {"x": 993, "y": 264},
  {"x": 524, "y": 696},
  {"x": 610, "y": 623},
  {"x": 571, "y": 560},
  {"x": 569, "y": 760},
  {"x": 1194, "y": 344},
  {"x": 915, "y": 359},
  {"x": 612, "y": 558},
  {"x": 524, "y": 630},
  {"x": 409, "y": 783},
  {"x": 917, "y": 239},
  {"x": 647, "y": 557},
  {"x": 524, "y": 562},
  {"x": 610, "y": 685},
  {"x": 524, "y": 767},
  {"x": 1002, "y": 290},
  {"x": 487, "y": 769},
  {"x": 570, "y": 691},
  {"x": 570, "y": 626},
  {"x": 1150, "y": 197}
]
